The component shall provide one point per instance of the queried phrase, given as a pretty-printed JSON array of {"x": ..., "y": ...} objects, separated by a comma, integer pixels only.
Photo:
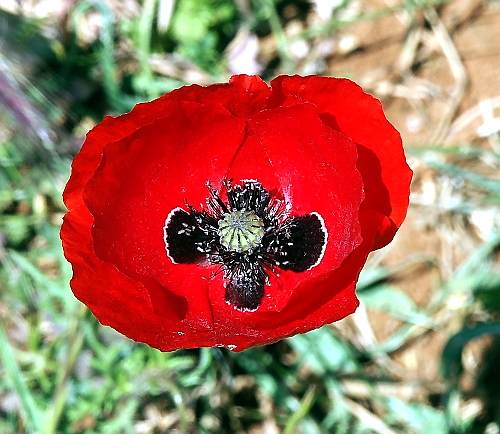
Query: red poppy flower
[{"x": 234, "y": 214}]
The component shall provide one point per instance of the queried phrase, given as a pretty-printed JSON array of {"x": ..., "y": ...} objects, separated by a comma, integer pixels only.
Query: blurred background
[{"x": 421, "y": 354}]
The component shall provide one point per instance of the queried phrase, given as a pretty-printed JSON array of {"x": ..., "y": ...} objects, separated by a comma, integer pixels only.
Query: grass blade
[
  {"x": 303, "y": 410},
  {"x": 30, "y": 412}
]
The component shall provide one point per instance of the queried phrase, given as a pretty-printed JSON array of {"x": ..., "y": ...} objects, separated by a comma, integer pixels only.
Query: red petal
[
  {"x": 243, "y": 94},
  {"x": 145, "y": 309},
  {"x": 146, "y": 175},
  {"x": 358, "y": 115},
  {"x": 146, "y": 315},
  {"x": 291, "y": 150}
]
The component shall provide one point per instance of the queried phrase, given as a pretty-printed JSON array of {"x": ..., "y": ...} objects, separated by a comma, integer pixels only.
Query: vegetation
[{"x": 422, "y": 353}]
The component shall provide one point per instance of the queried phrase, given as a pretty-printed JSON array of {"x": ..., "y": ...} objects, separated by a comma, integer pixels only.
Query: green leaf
[
  {"x": 16, "y": 228},
  {"x": 391, "y": 300},
  {"x": 53, "y": 288},
  {"x": 32, "y": 415},
  {"x": 324, "y": 352},
  {"x": 372, "y": 276},
  {"x": 451, "y": 359},
  {"x": 419, "y": 418},
  {"x": 201, "y": 28},
  {"x": 487, "y": 289},
  {"x": 469, "y": 274},
  {"x": 480, "y": 181}
]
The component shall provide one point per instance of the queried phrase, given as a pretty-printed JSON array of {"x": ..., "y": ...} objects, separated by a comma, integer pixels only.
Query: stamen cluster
[{"x": 248, "y": 236}]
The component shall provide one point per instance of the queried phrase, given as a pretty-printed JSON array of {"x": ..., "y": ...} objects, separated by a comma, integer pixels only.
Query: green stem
[
  {"x": 75, "y": 342},
  {"x": 29, "y": 410}
]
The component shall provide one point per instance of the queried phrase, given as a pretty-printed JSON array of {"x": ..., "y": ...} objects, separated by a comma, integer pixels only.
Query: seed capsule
[{"x": 240, "y": 231}]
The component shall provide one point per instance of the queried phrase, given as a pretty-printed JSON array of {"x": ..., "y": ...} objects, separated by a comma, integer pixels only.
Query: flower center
[
  {"x": 240, "y": 231},
  {"x": 249, "y": 236}
]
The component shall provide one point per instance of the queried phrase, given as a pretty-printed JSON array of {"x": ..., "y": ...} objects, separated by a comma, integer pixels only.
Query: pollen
[{"x": 240, "y": 231}]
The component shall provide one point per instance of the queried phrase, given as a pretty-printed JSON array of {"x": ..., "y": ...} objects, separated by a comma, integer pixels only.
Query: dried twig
[
  {"x": 458, "y": 71},
  {"x": 369, "y": 419}
]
